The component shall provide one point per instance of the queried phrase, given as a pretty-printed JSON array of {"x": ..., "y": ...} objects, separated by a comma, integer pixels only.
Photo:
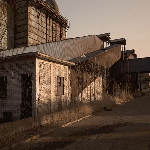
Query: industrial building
[
  {"x": 44, "y": 79},
  {"x": 41, "y": 71}
]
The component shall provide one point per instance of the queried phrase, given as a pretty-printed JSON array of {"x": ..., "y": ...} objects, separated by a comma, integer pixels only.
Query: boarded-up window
[
  {"x": 60, "y": 86},
  {"x": 3, "y": 87}
]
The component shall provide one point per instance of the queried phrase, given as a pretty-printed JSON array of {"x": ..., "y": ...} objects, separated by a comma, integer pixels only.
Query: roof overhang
[
  {"x": 121, "y": 41},
  {"x": 38, "y": 55},
  {"x": 104, "y": 37}
]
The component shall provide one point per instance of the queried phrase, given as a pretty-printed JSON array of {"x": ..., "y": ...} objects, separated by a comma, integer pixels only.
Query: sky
[{"x": 128, "y": 19}]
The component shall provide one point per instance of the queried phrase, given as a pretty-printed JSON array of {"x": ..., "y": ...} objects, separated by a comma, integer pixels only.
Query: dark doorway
[
  {"x": 3, "y": 87},
  {"x": 7, "y": 117},
  {"x": 26, "y": 96}
]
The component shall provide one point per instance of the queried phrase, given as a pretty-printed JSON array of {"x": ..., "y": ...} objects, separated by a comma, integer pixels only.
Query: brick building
[{"x": 30, "y": 22}]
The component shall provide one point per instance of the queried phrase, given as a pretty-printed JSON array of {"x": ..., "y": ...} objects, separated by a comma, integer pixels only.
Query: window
[
  {"x": 60, "y": 86},
  {"x": 3, "y": 87}
]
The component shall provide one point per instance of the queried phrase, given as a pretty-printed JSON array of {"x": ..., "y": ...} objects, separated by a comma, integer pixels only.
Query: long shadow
[
  {"x": 80, "y": 131},
  {"x": 66, "y": 136}
]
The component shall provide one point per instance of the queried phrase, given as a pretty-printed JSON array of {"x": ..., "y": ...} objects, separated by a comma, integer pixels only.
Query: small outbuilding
[{"x": 48, "y": 77}]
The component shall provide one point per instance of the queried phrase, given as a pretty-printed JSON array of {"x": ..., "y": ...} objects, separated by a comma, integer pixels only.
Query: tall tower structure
[{"x": 30, "y": 22}]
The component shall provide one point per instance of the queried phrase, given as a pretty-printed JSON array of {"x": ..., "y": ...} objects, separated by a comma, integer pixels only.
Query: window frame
[{"x": 60, "y": 86}]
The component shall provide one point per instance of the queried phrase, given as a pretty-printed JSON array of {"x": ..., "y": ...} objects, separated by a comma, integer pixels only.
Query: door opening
[{"x": 26, "y": 96}]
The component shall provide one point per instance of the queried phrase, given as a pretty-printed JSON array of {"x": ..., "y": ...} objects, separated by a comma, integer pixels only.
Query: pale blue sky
[{"x": 122, "y": 18}]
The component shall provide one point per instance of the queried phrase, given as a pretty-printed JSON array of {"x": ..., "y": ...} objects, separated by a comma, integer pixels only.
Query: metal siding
[{"x": 140, "y": 65}]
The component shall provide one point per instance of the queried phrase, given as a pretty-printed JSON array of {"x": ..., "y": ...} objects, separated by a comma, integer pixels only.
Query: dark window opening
[
  {"x": 60, "y": 86},
  {"x": 3, "y": 87}
]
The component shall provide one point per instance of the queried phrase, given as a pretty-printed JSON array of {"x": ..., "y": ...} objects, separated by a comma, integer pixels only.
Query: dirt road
[{"x": 126, "y": 127}]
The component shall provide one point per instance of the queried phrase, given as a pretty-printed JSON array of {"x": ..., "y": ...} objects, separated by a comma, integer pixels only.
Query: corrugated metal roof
[
  {"x": 65, "y": 50},
  {"x": 91, "y": 54},
  {"x": 105, "y": 57}
]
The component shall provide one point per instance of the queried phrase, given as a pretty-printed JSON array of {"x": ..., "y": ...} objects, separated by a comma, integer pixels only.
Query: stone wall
[
  {"x": 46, "y": 86},
  {"x": 44, "y": 90},
  {"x": 6, "y": 25},
  {"x": 83, "y": 86},
  {"x": 42, "y": 28},
  {"x": 23, "y": 25},
  {"x": 86, "y": 86},
  {"x": 3, "y": 24},
  {"x": 13, "y": 72},
  {"x": 21, "y": 15}
]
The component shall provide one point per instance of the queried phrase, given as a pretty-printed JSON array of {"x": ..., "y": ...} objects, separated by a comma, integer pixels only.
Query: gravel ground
[{"x": 126, "y": 127}]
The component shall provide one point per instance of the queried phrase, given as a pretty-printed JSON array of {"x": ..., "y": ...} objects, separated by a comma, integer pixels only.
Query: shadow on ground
[
  {"x": 125, "y": 127},
  {"x": 68, "y": 135}
]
